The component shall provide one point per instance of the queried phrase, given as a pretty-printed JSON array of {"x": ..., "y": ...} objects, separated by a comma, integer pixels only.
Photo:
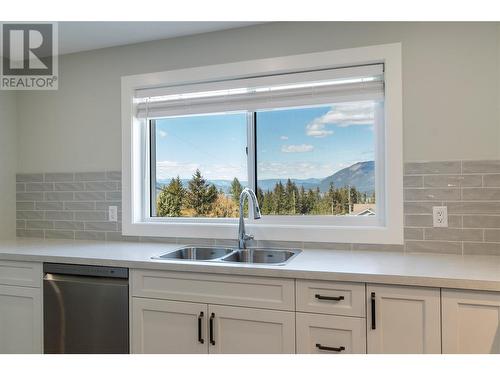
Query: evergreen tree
[
  {"x": 170, "y": 200},
  {"x": 236, "y": 189},
  {"x": 267, "y": 203},
  {"x": 260, "y": 197},
  {"x": 280, "y": 199},
  {"x": 201, "y": 195}
]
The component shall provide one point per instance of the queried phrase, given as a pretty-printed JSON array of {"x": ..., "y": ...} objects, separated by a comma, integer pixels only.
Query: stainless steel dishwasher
[{"x": 85, "y": 309}]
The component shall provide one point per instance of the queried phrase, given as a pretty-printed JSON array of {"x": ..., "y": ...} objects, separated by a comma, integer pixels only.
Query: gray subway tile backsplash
[
  {"x": 75, "y": 206},
  {"x": 90, "y": 235},
  {"x": 413, "y": 181},
  {"x": 90, "y": 176},
  {"x": 451, "y": 181},
  {"x": 453, "y": 234},
  {"x": 479, "y": 221},
  {"x": 59, "y": 215},
  {"x": 481, "y": 166},
  {"x": 102, "y": 186},
  {"x": 39, "y": 186},
  {"x": 432, "y": 167},
  {"x": 431, "y": 194},
  {"x": 481, "y": 248},
  {"x": 481, "y": 194},
  {"x": 491, "y": 180},
  {"x": 445, "y": 247},
  {"x": 59, "y": 177},
  {"x": 60, "y": 234},
  {"x": 69, "y": 186},
  {"x": 65, "y": 205},
  {"x": 492, "y": 235},
  {"x": 29, "y": 177},
  {"x": 58, "y": 196}
]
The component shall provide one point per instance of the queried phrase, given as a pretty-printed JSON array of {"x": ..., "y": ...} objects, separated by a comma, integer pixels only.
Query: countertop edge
[{"x": 267, "y": 271}]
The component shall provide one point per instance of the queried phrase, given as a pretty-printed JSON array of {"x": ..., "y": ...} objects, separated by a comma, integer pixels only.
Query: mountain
[
  {"x": 309, "y": 183},
  {"x": 268, "y": 184},
  {"x": 361, "y": 175}
]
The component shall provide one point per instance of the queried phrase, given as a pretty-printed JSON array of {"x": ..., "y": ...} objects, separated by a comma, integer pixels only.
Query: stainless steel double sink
[{"x": 230, "y": 255}]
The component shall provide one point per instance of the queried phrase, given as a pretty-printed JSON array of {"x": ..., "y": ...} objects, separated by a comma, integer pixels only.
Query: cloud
[
  {"x": 342, "y": 115},
  {"x": 284, "y": 138},
  {"x": 162, "y": 133},
  {"x": 302, "y": 170},
  {"x": 317, "y": 130},
  {"x": 167, "y": 169},
  {"x": 297, "y": 148}
]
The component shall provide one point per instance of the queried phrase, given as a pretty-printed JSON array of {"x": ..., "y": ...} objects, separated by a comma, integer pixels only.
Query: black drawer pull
[
  {"x": 330, "y": 348},
  {"x": 200, "y": 321},
  {"x": 374, "y": 325},
  {"x": 212, "y": 317},
  {"x": 339, "y": 298}
]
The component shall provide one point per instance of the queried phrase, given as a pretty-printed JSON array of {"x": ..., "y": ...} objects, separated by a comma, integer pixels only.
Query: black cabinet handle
[
  {"x": 200, "y": 321},
  {"x": 339, "y": 298},
  {"x": 212, "y": 317},
  {"x": 374, "y": 325},
  {"x": 330, "y": 348}
]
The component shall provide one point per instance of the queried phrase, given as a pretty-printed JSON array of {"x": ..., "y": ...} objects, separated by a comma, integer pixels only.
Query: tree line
[{"x": 202, "y": 199}]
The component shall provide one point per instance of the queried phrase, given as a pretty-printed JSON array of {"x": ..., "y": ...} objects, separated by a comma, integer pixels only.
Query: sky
[{"x": 299, "y": 143}]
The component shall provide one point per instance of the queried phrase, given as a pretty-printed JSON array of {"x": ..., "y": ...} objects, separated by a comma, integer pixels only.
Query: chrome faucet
[{"x": 252, "y": 200}]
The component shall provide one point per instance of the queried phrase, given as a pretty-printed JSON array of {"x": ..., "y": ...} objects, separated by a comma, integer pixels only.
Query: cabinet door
[
  {"x": 329, "y": 334},
  {"x": 168, "y": 327},
  {"x": 471, "y": 322},
  {"x": 20, "y": 320},
  {"x": 250, "y": 331},
  {"x": 403, "y": 319}
]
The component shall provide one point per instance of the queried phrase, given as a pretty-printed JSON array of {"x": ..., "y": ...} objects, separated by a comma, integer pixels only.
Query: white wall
[
  {"x": 451, "y": 85},
  {"x": 7, "y": 165}
]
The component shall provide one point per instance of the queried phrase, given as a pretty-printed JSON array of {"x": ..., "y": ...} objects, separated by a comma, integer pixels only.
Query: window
[
  {"x": 315, "y": 160},
  {"x": 314, "y": 144},
  {"x": 199, "y": 165}
]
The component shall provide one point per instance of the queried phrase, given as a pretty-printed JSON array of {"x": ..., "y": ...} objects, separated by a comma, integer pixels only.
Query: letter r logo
[{"x": 28, "y": 49}]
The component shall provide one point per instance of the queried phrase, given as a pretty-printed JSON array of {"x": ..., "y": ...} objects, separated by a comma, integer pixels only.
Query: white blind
[{"x": 267, "y": 92}]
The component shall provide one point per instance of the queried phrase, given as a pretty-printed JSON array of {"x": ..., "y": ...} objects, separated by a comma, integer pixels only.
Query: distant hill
[
  {"x": 225, "y": 185},
  {"x": 361, "y": 175}
]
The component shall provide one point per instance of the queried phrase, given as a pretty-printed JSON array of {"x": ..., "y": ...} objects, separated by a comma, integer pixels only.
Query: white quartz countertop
[{"x": 434, "y": 270}]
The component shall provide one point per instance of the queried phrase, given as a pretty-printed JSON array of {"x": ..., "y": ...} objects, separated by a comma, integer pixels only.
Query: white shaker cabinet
[
  {"x": 240, "y": 330},
  {"x": 330, "y": 334},
  {"x": 471, "y": 322},
  {"x": 168, "y": 327},
  {"x": 403, "y": 319},
  {"x": 218, "y": 313},
  {"x": 20, "y": 320},
  {"x": 20, "y": 307}
]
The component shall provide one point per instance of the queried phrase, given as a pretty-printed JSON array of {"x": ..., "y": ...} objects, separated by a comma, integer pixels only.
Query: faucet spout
[{"x": 254, "y": 204}]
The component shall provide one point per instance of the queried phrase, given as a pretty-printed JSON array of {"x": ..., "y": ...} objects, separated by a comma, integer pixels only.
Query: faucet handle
[{"x": 249, "y": 237}]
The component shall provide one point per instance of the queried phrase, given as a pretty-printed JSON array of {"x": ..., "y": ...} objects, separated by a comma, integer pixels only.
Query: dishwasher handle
[{"x": 54, "y": 277}]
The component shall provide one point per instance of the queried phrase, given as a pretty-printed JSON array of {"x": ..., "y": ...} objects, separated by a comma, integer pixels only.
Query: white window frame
[{"x": 135, "y": 156}]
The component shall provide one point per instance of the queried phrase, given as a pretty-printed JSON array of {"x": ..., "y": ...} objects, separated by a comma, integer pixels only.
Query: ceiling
[{"x": 85, "y": 36}]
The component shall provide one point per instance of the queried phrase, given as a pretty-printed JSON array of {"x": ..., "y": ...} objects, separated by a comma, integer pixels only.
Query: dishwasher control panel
[{"x": 86, "y": 270}]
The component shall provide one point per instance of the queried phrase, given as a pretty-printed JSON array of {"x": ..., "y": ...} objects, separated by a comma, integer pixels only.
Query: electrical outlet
[
  {"x": 440, "y": 216},
  {"x": 113, "y": 213}
]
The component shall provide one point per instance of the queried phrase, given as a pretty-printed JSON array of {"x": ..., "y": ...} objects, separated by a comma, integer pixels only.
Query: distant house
[{"x": 363, "y": 209}]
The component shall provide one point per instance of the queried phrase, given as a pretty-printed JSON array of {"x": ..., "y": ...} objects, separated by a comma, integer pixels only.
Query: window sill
[{"x": 269, "y": 232}]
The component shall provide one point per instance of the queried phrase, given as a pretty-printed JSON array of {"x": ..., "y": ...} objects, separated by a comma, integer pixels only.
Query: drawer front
[
  {"x": 331, "y": 298},
  {"x": 20, "y": 273},
  {"x": 270, "y": 293},
  {"x": 327, "y": 334}
]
